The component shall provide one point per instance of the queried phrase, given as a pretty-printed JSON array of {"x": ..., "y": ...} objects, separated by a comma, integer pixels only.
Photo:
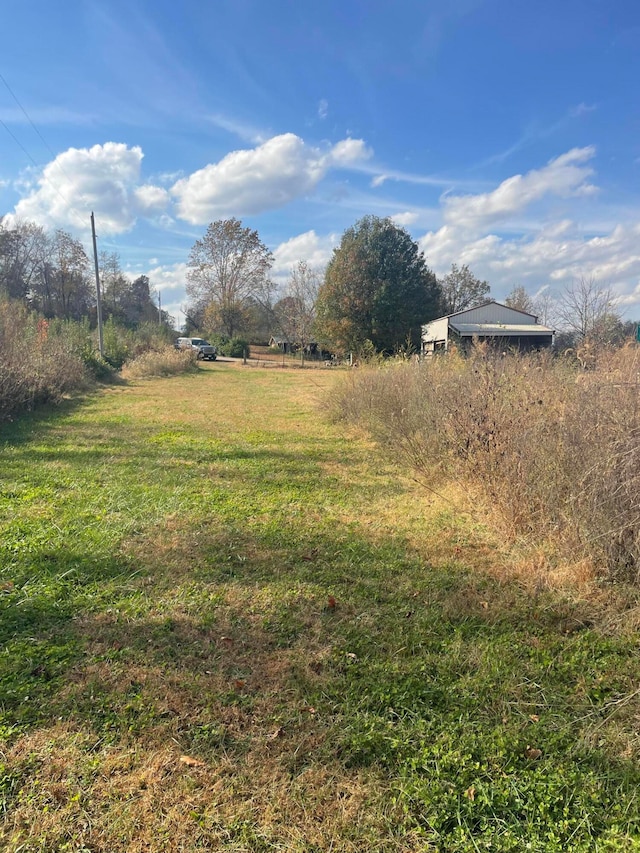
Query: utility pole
[{"x": 98, "y": 300}]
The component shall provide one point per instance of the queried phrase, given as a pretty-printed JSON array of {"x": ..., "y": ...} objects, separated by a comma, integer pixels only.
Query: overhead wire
[{"x": 81, "y": 218}]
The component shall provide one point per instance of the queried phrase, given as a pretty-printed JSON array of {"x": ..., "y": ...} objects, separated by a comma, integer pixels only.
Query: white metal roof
[{"x": 498, "y": 330}]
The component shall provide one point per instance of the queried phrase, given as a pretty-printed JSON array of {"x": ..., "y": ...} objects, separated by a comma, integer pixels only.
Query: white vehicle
[{"x": 204, "y": 349}]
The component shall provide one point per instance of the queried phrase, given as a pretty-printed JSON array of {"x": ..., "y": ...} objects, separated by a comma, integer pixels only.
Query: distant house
[
  {"x": 493, "y": 322},
  {"x": 284, "y": 345},
  {"x": 281, "y": 343}
]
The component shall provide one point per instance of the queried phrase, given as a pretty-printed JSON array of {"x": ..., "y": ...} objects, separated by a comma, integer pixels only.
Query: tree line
[
  {"x": 51, "y": 273},
  {"x": 376, "y": 292}
]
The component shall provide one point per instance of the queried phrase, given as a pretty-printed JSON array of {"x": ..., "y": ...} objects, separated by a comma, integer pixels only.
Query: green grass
[{"x": 168, "y": 550}]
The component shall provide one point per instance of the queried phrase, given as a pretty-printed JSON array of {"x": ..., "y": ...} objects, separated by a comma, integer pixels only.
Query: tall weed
[
  {"x": 164, "y": 362},
  {"x": 36, "y": 365},
  {"x": 556, "y": 449}
]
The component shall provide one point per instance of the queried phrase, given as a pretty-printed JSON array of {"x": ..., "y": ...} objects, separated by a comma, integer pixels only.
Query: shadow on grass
[{"x": 241, "y": 656}]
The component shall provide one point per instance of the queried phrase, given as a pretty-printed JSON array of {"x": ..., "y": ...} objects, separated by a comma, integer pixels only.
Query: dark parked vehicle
[{"x": 204, "y": 349}]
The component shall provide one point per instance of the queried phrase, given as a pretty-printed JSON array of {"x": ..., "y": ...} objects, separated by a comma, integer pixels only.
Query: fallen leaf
[
  {"x": 470, "y": 793},
  {"x": 309, "y": 710},
  {"x": 534, "y": 718},
  {"x": 279, "y": 732},
  {"x": 352, "y": 656},
  {"x": 484, "y": 605},
  {"x": 533, "y": 753},
  {"x": 191, "y": 762},
  {"x": 331, "y": 602},
  {"x": 226, "y": 640},
  {"x": 239, "y": 683}
]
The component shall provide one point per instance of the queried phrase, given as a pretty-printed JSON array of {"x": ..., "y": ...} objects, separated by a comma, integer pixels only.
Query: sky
[{"x": 501, "y": 134}]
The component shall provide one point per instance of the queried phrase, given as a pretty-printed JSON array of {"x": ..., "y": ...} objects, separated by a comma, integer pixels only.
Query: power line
[
  {"x": 55, "y": 160},
  {"x": 72, "y": 209},
  {"x": 27, "y": 116}
]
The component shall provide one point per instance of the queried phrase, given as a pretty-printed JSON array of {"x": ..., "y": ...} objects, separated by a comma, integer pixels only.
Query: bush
[
  {"x": 119, "y": 343},
  {"x": 165, "y": 362},
  {"x": 556, "y": 449},
  {"x": 36, "y": 365},
  {"x": 230, "y": 347}
]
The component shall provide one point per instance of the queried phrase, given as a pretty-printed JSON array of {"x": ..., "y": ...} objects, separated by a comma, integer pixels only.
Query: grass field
[{"x": 226, "y": 625}]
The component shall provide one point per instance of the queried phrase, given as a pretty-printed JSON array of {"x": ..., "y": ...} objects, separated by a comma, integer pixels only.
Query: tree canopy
[
  {"x": 377, "y": 288},
  {"x": 461, "y": 289},
  {"x": 228, "y": 269}
]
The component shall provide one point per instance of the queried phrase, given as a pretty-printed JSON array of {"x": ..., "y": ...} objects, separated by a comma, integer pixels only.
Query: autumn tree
[
  {"x": 228, "y": 268},
  {"x": 521, "y": 300},
  {"x": 295, "y": 313},
  {"x": 377, "y": 288},
  {"x": 64, "y": 287},
  {"x": 461, "y": 289}
]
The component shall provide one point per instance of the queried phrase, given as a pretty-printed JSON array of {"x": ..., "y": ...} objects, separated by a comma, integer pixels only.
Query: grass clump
[
  {"x": 555, "y": 449},
  {"x": 160, "y": 362}
]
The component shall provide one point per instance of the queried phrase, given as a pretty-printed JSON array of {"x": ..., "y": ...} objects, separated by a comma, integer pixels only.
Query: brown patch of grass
[{"x": 143, "y": 798}]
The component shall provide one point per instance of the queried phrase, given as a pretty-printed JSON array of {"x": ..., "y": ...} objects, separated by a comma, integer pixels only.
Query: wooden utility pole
[{"x": 98, "y": 299}]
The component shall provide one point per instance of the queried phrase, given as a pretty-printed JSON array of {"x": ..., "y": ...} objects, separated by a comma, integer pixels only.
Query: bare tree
[
  {"x": 228, "y": 268},
  {"x": 545, "y": 307},
  {"x": 296, "y": 311},
  {"x": 587, "y": 310},
  {"x": 22, "y": 250}
]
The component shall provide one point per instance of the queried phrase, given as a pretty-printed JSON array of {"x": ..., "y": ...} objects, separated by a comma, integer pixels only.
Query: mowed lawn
[{"x": 228, "y": 624}]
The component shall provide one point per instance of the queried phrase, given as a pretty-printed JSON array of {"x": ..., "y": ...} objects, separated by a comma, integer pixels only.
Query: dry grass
[
  {"x": 159, "y": 363},
  {"x": 35, "y": 366},
  {"x": 553, "y": 451}
]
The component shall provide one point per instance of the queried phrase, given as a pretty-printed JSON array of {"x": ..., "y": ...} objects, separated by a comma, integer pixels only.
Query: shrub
[
  {"x": 556, "y": 449},
  {"x": 36, "y": 365},
  {"x": 230, "y": 347},
  {"x": 118, "y": 343}
]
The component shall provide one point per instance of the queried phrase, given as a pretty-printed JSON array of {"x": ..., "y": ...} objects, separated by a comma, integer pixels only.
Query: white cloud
[
  {"x": 170, "y": 280},
  {"x": 550, "y": 250},
  {"x": 151, "y": 199},
  {"x": 404, "y": 219},
  {"x": 323, "y": 108},
  {"x": 308, "y": 247},
  {"x": 262, "y": 178},
  {"x": 565, "y": 176},
  {"x": 104, "y": 178},
  {"x": 348, "y": 151}
]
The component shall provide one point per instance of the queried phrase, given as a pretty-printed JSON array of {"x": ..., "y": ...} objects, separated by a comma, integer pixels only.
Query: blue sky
[{"x": 500, "y": 133}]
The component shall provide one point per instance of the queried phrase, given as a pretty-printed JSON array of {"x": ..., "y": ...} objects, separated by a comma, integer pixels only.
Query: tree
[
  {"x": 65, "y": 288},
  {"x": 520, "y": 299},
  {"x": 296, "y": 311},
  {"x": 461, "y": 289},
  {"x": 22, "y": 250},
  {"x": 377, "y": 288},
  {"x": 228, "y": 268},
  {"x": 588, "y": 311}
]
